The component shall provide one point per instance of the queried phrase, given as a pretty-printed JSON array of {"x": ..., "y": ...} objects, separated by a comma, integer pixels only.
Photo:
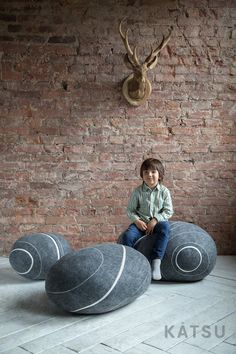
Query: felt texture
[
  {"x": 33, "y": 255},
  {"x": 98, "y": 279},
  {"x": 190, "y": 254}
]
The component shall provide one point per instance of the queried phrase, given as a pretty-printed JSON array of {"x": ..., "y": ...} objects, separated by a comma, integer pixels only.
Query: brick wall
[{"x": 71, "y": 146}]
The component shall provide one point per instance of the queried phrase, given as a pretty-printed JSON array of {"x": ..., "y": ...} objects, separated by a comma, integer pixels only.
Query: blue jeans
[{"x": 160, "y": 232}]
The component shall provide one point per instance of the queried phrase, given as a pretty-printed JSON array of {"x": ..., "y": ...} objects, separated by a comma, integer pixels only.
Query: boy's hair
[{"x": 153, "y": 164}]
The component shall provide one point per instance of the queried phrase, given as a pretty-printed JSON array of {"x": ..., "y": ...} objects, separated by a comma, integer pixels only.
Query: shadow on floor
[
  {"x": 9, "y": 276},
  {"x": 38, "y": 303}
]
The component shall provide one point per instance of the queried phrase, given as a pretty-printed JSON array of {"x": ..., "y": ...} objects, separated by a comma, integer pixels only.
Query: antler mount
[
  {"x": 135, "y": 92},
  {"x": 136, "y": 87}
]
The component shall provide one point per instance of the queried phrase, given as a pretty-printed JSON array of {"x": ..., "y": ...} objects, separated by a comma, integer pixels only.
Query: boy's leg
[
  {"x": 161, "y": 232},
  {"x": 131, "y": 235}
]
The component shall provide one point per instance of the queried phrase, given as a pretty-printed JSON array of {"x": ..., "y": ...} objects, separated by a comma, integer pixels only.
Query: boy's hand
[
  {"x": 141, "y": 225},
  {"x": 151, "y": 225}
]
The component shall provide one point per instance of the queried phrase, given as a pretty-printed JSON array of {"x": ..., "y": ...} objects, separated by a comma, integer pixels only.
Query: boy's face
[{"x": 151, "y": 178}]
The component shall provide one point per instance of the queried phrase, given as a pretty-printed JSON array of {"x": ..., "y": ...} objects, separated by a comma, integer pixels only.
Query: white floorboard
[{"x": 30, "y": 323}]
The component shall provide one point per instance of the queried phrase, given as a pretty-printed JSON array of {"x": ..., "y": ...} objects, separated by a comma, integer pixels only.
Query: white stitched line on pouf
[
  {"x": 29, "y": 254},
  {"x": 186, "y": 247},
  {"x": 58, "y": 252},
  {"x": 28, "y": 243},
  {"x": 84, "y": 281},
  {"x": 113, "y": 285}
]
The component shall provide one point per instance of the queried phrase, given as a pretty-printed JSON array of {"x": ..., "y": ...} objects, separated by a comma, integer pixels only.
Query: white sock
[{"x": 156, "y": 269}]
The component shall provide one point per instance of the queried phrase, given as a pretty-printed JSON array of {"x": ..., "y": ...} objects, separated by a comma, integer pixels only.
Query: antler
[
  {"x": 154, "y": 52},
  {"x": 132, "y": 55}
]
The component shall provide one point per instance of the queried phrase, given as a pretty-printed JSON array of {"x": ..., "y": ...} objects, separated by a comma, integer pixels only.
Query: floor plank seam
[
  {"x": 220, "y": 276},
  {"x": 74, "y": 351},
  {"x": 27, "y": 351},
  {"x": 221, "y": 319},
  {"x": 25, "y": 328}
]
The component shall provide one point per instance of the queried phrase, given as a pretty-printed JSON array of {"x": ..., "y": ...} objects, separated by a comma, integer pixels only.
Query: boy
[{"x": 149, "y": 208}]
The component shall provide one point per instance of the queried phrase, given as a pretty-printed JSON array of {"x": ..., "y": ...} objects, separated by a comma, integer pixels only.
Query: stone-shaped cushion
[
  {"x": 33, "y": 255},
  {"x": 190, "y": 254},
  {"x": 98, "y": 279}
]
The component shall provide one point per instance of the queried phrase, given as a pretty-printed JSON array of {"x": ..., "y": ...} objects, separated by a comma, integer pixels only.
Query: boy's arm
[
  {"x": 167, "y": 209},
  {"x": 132, "y": 207}
]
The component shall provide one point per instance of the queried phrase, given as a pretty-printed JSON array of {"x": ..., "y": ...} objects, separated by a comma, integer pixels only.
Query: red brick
[
  {"x": 60, "y": 220},
  {"x": 31, "y": 219},
  {"x": 9, "y": 74},
  {"x": 71, "y": 146}
]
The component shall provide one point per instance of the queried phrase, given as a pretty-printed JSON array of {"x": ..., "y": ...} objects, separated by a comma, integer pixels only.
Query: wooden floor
[{"x": 171, "y": 318}]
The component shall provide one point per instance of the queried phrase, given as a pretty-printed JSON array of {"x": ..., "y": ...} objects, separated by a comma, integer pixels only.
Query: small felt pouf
[
  {"x": 190, "y": 254},
  {"x": 98, "y": 279},
  {"x": 33, "y": 255}
]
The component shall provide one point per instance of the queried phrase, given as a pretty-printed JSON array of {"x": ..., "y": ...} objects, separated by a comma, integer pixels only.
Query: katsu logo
[{"x": 205, "y": 331}]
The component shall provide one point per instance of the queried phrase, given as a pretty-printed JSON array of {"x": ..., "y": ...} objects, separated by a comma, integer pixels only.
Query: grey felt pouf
[
  {"x": 190, "y": 254},
  {"x": 98, "y": 279},
  {"x": 33, "y": 255}
]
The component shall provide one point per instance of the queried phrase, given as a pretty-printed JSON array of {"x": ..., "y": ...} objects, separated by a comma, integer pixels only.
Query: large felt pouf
[
  {"x": 190, "y": 254},
  {"x": 33, "y": 255},
  {"x": 98, "y": 279}
]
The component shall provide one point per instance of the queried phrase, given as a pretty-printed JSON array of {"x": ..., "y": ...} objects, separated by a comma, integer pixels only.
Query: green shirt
[{"x": 146, "y": 203}]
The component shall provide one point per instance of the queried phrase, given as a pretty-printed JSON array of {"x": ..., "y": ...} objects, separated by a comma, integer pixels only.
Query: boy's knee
[
  {"x": 124, "y": 238},
  {"x": 163, "y": 226},
  {"x": 131, "y": 235}
]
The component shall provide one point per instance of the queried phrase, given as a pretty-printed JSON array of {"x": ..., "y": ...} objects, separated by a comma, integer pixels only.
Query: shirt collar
[{"x": 146, "y": 188}]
